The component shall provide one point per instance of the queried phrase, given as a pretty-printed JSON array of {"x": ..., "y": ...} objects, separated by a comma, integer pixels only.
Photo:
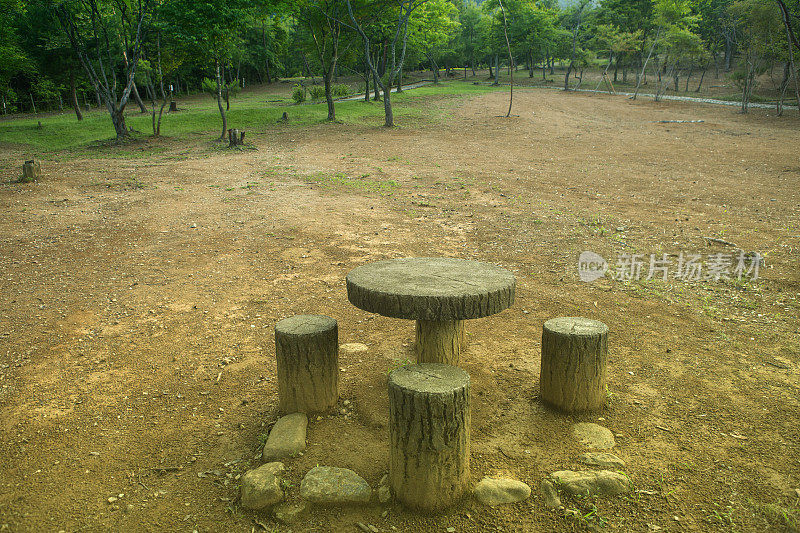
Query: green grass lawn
[{"x": 254, "y": 111}]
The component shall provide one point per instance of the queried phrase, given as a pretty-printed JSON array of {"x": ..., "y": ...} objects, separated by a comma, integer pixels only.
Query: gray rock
[
  {"x": 287, "y": 438},
  {"x": 499, "y": 491},
  {"x": 353, "y": 347},
  {"x": 601, "y": 483},
  {"x": 261, "y": 487},
  {"x": 549, "y": 494},
  {"x": 602, "y": 460},
  {"x": 289, "y": 513},
  {"x": 593, "y": 436},
  {"x": 328, "y": 485}
]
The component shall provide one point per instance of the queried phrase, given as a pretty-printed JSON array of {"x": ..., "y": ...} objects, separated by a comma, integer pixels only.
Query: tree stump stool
[
  {"x": 574, "y": 354},
  {"x": 307, "y": 355},
  {"x": 429, "y": 425},
  {"x": 31, "y": 171}
]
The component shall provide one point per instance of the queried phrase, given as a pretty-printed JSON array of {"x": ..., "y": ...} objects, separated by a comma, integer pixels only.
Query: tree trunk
[
  {"x": 367, "y": 75},
  {"x": 429, "y": 432},
  {"x": 400, "y": 80},
  {"x": 33, "y": 104},
  {"x": 307, "y": 357},
  {"x": 490, "y": 69},
  {"x": 74, "y": 96},
  {"x": 439, "y": 341},
  {"x": 118, "y": 119},
  {"x": 387, "y": 108},
  {"x": 573, "y": 370},
  {"x": 434, "y": 70},
  {"x": 496, "y": 69},
  {"x": 376, "y": 83},
  {"x": 219, "y": 102},
  {"x": 328, "y": 95},
  {"x": 138, "y": 99}
]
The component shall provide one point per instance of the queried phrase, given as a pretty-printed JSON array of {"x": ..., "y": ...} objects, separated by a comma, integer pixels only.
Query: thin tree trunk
[
  {"x": 219, "y": 102},
  {"x": 33, "y": 104},
  {"x": 367, "y": 75},
  {"x": 792, "y": 42},
  {"x": 400, "y": 81},
  {"x": 138, "y": 99},
  {"x": 703, "y": 75},
  {"x": 641, "y": 75},
  {"x": 510, "y": 60},
  {"x": 74, "y": 96}
]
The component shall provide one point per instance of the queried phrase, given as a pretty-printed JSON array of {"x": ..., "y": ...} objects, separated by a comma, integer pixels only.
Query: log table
[{"x": 439, "y": 293}]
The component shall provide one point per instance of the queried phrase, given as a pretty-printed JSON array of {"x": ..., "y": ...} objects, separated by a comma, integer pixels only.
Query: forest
[{"x": 115, "y": 53}]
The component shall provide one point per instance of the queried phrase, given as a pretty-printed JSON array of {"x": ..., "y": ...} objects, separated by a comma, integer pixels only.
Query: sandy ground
[{"x": 138, "y": 299}]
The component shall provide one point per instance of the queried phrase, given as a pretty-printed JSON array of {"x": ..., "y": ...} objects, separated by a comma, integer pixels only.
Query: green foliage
[
  {"x": 316, "y": 92},
  {"x": 298, "y": 94},
  {"x": 341, "y": 89}
]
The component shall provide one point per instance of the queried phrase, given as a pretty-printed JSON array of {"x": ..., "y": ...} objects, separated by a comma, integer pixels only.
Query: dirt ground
[{"x": 138, "y": 298}]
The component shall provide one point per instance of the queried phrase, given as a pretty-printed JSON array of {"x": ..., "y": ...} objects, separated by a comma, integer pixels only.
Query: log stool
[
  {"x": 429, "y": 424},
  {"x": 574, "y": 354},
  {"x": 307, "y": 355}
]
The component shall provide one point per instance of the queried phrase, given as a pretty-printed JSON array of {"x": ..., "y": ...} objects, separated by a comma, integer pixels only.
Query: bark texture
[
  {"x": 440, "y": 341},
  {"x": 307, "y": 356},
  {"x": 429, "y": 427},
  {"x": 574, "y": 354}
]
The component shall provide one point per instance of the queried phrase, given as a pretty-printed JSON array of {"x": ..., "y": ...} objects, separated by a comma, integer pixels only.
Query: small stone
[
  {"x": 384, "y": 494},
  {"x": 328, "y": 485},
  {"x": 362, "y": 526},
  {"x": 194, "y": 225},
  {"x": 261, "y": 487},
  {"x": 550, "y": 495},
  {"x": 287, "y": 438},
  {"x": 346, "y": 403},
  {"x": 601, "y": 483},
  {"x": 289, "y": 513},
  {"x": 353, "y": 347},
  {"x": 499, "y": 491},
  {"x": 451, "y": 530},
  {"x": 604, "y": 460},
  {"x": 373, "y": 529},
  {"x": 593, "y": 436},
  {"x": 112, "y": 499}
]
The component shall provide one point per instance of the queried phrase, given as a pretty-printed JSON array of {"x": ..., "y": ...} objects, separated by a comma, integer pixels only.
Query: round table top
[{"x": 431, "y": 288}]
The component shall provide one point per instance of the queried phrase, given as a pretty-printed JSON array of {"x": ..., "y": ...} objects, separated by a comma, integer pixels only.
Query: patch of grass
[{"x": 360, "y": 183}]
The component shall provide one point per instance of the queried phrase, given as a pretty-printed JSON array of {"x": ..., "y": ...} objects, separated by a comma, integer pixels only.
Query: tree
[
  {"x": 208, "y": 33},
  {"x": 432, "y": 27},
  {"x": 107, "y": 38},
  {"x": 322, "y": 19},
  {"x": 758, "y": 29},
  {"x": 401, "y": 11}
]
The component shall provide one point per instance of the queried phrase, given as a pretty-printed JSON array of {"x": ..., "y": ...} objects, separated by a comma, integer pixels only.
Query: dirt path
[{"x": 138, "y": 298}]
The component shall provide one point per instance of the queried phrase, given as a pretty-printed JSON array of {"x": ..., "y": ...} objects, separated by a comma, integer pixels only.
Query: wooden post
[
  {"x": 307, "y": 356},
  {"x": 429, "y": 426},
  {"x": 574, "y": 354},
  {"x": 33, "y": 103}
]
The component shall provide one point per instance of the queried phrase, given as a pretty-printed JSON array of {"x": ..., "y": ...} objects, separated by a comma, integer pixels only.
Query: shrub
[
  {"x": 298, "y": 94},
  {"x": 316, "y": 92},
  {"x": 341, "y": 89}
]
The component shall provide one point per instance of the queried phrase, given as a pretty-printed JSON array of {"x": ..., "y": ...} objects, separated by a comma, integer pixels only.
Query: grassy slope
[{"x": 253, "y": 111}]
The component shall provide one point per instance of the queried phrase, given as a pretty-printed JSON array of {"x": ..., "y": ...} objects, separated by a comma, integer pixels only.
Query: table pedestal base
[{"x": 440, "y": 341}]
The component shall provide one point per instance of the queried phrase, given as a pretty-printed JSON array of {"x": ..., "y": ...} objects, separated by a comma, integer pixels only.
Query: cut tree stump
[
  {"x": 307, "y": 356},
  {"x": 574, "y": 354},
  {"x": 173, "y": 106},
  {"x": 429, "y": 426},
  {"x": 31, "y": 171},
  {"x": 235, "y": 137}
]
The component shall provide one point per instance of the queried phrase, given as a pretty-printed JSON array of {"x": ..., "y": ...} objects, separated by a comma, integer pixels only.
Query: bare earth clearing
[{"x": 138, "y": 299}]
